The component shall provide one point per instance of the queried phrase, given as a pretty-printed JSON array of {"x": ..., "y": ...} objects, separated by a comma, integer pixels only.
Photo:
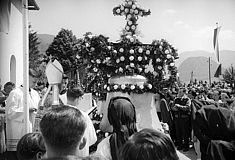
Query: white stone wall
[{"x": 11, "y": 43}]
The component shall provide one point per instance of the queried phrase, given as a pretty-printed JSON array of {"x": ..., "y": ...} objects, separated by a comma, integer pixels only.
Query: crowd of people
[
  {"x": 194, "y": 116},
  {"x": 201, "y": 116}
]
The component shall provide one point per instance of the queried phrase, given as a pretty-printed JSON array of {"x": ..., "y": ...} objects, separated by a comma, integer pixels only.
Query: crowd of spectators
[{"x": 196, "y": 116}]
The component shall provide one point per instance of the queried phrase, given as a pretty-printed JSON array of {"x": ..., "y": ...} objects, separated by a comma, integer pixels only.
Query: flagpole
[
  {"x": 209, "y": 71},
  {"x": 25, "y": 65}
]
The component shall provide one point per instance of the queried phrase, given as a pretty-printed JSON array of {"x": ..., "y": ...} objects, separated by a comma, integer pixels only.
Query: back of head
[
  {"x": 74, "y": 92},
  {"x": 122, "y": 116},
  {"x": 63, "y": 128},
  {"x": 30, "y": 146},
  {"x": 151, "y": 145},
  {"x": 121, "y": 113}
]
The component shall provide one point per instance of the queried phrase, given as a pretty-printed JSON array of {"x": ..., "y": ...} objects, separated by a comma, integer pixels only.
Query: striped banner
[{"x": 216, "y": 43}]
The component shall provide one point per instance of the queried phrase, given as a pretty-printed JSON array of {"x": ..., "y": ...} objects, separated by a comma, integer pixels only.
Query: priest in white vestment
[{"x": 15, "y": 112}]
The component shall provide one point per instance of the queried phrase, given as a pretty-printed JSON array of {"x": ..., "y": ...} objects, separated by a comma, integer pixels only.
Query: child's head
[
  {"x": 62, "y": 129},
  {"x": 31, "y": 147},
  {"x": 151, "y": 145}
]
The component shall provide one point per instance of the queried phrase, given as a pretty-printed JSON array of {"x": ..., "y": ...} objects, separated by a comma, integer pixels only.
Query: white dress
[{"x": 15, "y": 116}]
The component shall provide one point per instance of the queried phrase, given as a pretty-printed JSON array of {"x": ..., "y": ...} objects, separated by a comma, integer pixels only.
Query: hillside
[
  {"x": 45, "y": 40},
  {"x": 227, "y": 57},
  {"x": 200, "y": 68}
]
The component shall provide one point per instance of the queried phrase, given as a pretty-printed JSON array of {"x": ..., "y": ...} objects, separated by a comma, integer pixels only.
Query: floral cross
[{"x": 131, "y": 11}]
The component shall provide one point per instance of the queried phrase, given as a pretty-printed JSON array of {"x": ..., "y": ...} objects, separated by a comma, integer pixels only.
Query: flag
[
  {"x": 5, "y": 9},
  {"x": 218, "y": 71},
  {"x": 216, "y": 43}
]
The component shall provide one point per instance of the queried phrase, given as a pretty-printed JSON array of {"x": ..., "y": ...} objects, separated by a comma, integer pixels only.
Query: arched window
[{"x": 13, "y": 69}]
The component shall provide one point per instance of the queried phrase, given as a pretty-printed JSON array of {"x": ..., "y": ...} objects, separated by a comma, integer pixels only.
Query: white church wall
[{"x": 12, "y": 44}]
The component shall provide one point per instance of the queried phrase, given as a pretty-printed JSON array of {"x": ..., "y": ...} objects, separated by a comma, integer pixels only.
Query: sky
[{"x": 186, "y": 24}]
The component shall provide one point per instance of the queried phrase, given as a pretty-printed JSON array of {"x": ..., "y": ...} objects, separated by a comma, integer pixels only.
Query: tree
[
  {"x": 229, "y": 76},
  {"x": 36, "y": 59},
  {"x": 34, "y": 54},
  {"x": 64, "y": 48}
]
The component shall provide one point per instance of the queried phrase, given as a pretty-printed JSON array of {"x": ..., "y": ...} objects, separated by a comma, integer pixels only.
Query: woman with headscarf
[{"x": 122, "y": 116}]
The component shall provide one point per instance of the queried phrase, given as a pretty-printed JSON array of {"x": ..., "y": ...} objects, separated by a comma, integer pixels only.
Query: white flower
[
  {"x": 109, "y": 47},
  {"x": 155, "y": 73},
  {"x": 140, "y": 58},
  {"x": 122, "y": 7},
  {"x": 128, "y": 36},
  {"x": 132, "y": 39},
  {"x": 92, "y": 61},
  {"x": 129, "y": 16},
  {"x": 131, "y": 10},
  {"x": 132, "y": 65},
  {"x": 130, "y": 3},
  {"x": 150, "y": 86},
  {"x": 167, "y": 51},
  {"x": 98, "y": 61},
  {"x": 159, "y": 67},
  {"x": 133, "y": 6},
  {"x": 158, "y": 60},
  {"x": 90, "y": 36},
  {"x": 131, "y": 58},
  {"x": 87, "y": 44},
  {"x": 140, "y": 69},
  {"x": 146, "y": 70},
  {"x": 118, "y": 10},
  {"x": 95, "y": 69},
  {"x": 127, "y": 66},
  {"x": 132, "y": 87},
  {"x": 168, "y": 56},
  {"x": 160, "y": 47},
  {"x": 129, "y": 22},
  {"x": 92, "y": 49},
  {"x": 120, "y": 69},
  {"x": 132, "y": 51},
  {"x": 141, "y": 86},
  {"x": 115, "y": 51},
  {"x": 117, "y": 60},
  {"x": 172, "y": 64},
  {"x": 108, "y": 88},
  {"x": 105, "y": 86},
  {"x": 127, "y": 28},
  {"x": 136, "y": 11},
  {"x": 133, "y": 27},
  {"x": 126, "y": 10},
  {"x": 123, "y": 86},
  {"x": 115, "y": 87},
  {"x": 122, "y": 58},
  {"x": 121, "y": 50},
  {"x": 147, "y": 52},
  {"x": 140, "y": 50}
]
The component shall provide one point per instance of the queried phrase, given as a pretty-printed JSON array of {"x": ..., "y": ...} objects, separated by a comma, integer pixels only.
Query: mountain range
[{"x": 188, "y": 62}]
